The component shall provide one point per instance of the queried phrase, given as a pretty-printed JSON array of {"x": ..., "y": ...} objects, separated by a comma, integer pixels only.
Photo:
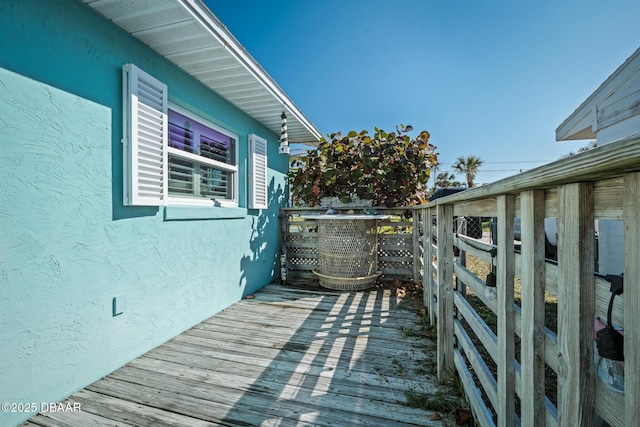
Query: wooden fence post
[
  {"x": 576, "y": 302},
  {"x": 631, "y": 216},
  {"x": 415, "y": 229},
  {"x": 427, "y": 285},
  {"x": 446, "y": 366},
  {"x": 426, "y": 257},
  {"x": 532, "y": 273},
  {"x": 505, "y": 270}
]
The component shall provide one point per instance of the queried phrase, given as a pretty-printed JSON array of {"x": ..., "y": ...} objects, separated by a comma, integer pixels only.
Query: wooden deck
[{"x": 288, "y": 357}]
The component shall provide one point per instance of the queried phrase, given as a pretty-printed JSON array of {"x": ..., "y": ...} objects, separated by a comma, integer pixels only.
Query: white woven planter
[{"x": 348, "y": 258}]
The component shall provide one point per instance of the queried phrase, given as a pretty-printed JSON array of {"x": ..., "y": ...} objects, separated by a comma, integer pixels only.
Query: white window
[
  {"x": 202, "y": 161},
  {"x": 171, "y": 155}
]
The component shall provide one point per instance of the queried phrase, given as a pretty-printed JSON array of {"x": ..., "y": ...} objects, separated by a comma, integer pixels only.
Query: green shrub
[{"x": 391, "y": 168}]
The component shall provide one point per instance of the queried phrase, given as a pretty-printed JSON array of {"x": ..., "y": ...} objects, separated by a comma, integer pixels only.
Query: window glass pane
[
  {"x": 216, "y": 146},
  {"x": 215, "y": 184},
  {"x": 188, "y": 177},
  {"x": 188, "y": 135},
  {"x": 181, "y": 133},
  {"x": 191, "y": 179},
  {"x": 181, "y": 174}
]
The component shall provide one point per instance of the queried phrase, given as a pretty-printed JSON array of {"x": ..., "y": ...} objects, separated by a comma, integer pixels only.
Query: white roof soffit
[
  {"x": 582, "y": 123},
  {"x": 188, "y": 34}
]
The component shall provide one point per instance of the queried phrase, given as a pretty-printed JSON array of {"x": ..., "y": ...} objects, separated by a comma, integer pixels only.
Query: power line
[
  {"x": 494, "y": 170},
  {"x": 500, "y": 170},
  {"x": 510, "y": 161}
]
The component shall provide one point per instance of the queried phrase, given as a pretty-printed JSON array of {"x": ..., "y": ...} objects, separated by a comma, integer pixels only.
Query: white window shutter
[
  {"x": 258, "y": 190},
  {"x": 145, "y": 138}
]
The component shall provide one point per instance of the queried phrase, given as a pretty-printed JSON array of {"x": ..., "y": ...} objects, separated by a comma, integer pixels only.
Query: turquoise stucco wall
[{"x": 67, "y": 245}]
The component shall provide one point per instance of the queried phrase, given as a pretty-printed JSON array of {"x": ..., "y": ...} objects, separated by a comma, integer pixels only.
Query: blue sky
[{"x": 488, "y": 78}]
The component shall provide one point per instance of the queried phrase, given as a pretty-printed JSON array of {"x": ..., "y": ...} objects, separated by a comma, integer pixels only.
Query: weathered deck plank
[{"x": 288, "y": 357}]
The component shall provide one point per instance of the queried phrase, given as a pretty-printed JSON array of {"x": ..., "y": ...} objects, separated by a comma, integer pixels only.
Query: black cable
[{"x": 610, "y": 309}]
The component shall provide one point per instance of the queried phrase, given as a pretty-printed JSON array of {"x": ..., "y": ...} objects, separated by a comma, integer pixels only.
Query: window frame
[{"x": 173, "y": 199}]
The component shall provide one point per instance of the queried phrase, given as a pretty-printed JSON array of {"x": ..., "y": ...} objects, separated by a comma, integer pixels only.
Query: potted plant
[{"x": 390, "y": 169}]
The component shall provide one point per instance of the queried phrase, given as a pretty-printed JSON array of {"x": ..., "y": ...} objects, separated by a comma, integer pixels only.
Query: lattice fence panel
[
  {"x": 395, "y": 249},
  {"x": 300, "y": 241},
  {"x": 301, "y": 251}
]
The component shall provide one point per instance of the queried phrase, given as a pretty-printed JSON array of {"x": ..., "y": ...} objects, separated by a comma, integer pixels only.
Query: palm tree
[{"x": 468, "y": 166}]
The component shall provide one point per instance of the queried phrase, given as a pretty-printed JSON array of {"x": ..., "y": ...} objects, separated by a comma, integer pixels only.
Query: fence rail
[{"x": 504, "y": 368}]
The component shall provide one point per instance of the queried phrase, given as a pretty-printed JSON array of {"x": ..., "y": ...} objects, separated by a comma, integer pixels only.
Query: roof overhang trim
[
  {"x": 583, "y": 122},
  {"x": 188, "y": 34}
]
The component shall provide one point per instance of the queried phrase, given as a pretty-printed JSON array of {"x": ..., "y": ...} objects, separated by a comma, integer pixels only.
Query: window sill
[{"x": 185, "y": 213}]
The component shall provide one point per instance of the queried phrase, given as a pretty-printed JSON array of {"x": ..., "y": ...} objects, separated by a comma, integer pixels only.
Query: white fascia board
[
  {"x": 573, "y": 127},
  {"x": 216, "y": 28},
  {"x": 578, "y": 127}
]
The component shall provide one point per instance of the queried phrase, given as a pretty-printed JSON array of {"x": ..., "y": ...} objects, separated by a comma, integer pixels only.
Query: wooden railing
[{"x": 503, "y": 370}]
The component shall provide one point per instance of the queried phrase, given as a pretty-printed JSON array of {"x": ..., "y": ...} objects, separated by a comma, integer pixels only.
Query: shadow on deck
[{"x": 287, "y": 357}]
